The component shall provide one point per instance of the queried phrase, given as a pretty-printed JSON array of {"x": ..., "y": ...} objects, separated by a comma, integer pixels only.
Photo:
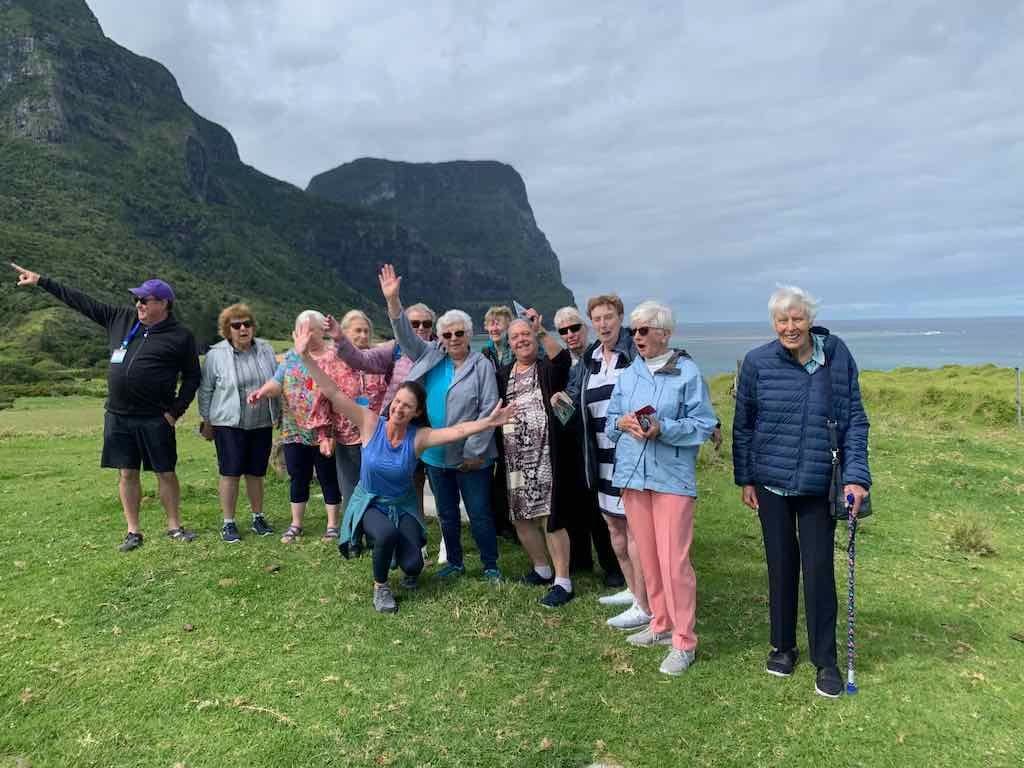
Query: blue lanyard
[{"x": 131, "y": 335}]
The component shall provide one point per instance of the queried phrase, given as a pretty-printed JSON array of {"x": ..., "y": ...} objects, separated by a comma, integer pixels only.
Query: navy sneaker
[
  {"x": 132, "y": 541},
  {"x": 828, "y": 683},
  {"x": 534, "y": 579},
  {"x": 556, "y": 597},
  {"x": 451, "y": 571},
  {"x": 260, "y": 526},
  {"x": 229, "y": 533},
  {"x": 781, "y": 663}
]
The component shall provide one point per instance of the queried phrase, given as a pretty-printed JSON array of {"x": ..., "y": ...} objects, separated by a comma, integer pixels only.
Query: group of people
[{"x": 570, "y": 443}]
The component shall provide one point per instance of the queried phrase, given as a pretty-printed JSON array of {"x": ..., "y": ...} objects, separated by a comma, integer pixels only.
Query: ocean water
[{"x": 876, "y": 344}]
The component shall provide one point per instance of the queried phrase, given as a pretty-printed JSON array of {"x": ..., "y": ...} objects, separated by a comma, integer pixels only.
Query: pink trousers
[{"x": 662, "y": 526}]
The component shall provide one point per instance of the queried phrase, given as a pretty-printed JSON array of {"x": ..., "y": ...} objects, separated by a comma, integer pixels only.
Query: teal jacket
[
  {"x": 682, "y": 403},
  {"x": 350, "y": 538}
]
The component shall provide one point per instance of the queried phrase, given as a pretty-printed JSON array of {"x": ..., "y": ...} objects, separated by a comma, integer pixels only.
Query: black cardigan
[{"x": 553, "y": 376}]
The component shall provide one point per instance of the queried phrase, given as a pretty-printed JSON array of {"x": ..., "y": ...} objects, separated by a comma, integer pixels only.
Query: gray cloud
[{"x": 871, "y": 152}]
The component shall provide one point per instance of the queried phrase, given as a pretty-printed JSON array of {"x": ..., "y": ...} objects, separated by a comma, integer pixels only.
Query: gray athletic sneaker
[
  {"x": 677, "y": 662},
  {"x": 384, "y": 599},
  {"x": 647, "y": 637}
]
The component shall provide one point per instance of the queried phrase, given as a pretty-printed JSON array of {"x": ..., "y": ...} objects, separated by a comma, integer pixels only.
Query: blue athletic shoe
[
  {"x": 451, "y": 571},
  {"x": 492, "y": 574},
  {"x": 229, "y": 533}
]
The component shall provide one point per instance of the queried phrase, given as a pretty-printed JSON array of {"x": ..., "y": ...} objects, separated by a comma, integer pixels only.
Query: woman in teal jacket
[{"x": 659, "y": 414}]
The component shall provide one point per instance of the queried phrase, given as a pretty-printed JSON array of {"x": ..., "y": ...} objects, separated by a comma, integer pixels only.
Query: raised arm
[
  {"x": 549, "y": 343},
  {"x": 363, "y": 418},
  {"x": 379, "y": 359},
  {"x": 428, "y": 438},
  {"x": 97, "y": 311}
]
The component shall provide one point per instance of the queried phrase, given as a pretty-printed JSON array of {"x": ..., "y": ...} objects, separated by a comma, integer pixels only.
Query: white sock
[
  {"x": 544, "y": 571},
  {"x": 565, "y": 584}
]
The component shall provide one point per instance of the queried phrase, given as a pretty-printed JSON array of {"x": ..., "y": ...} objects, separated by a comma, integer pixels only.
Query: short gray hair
[
  {"x": 356, "y": 314},
  {"x": 310, "y": 316},
  {"x": 421, "y": 307},
  {"x": 568, "y": 315},
  {"x": 787, "y": 297},
  {"x": 654, "y": 314},
  {"x": 452, "y": 317}
]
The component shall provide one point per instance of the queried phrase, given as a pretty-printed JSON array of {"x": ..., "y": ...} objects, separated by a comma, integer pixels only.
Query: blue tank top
[{"x": 386, "y": 470}]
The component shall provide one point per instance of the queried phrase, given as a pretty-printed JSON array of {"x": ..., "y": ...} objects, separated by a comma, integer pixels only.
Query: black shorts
[
  {"x": 243, "y": 451},
  {"x": 129, "y": 441}
]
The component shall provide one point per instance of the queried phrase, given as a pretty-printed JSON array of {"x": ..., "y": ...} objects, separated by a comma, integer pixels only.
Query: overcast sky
[{"x": 700, "y": 153}]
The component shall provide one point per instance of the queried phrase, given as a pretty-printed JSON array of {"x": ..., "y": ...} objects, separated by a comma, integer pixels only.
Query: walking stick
[{"x": 851, "y": 610}]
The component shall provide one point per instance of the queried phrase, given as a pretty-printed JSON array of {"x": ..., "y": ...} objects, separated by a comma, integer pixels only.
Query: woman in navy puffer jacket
[{"x": 787, "y": 392}]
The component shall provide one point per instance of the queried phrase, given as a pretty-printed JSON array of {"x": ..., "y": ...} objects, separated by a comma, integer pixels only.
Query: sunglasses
[
  {"x": 643, "y": 330},
  {"x": 144, "y": 300},
  {"x": 456, "y": 334},
  {"x": 574, "y": 328},
  {"x": 237, "y": 324},
  {"x": 421, "y": 323}
]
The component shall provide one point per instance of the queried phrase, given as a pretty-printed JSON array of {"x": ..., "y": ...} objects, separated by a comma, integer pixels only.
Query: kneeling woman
[{"x": 384, "y": 501}]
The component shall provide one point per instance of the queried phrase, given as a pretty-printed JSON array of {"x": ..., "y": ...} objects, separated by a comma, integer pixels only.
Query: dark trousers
[
  {"x": 799, "y": 534},
  {"x": 586, "y": 525},
  {"x": 301, "y": 460},
  {"x": 401, "y": 544}
]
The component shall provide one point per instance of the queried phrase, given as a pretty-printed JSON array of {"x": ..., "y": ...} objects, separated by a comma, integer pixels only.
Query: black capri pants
[{"x": 301, "y": 461}]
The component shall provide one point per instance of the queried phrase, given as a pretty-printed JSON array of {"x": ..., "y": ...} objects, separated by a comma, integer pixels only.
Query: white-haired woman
[
  {"x": 788, "y": 392},
  {"x": 461, "y": 386},
  {"x": 659, "y": 414},
  {"x": 306, "y": 449},
  {"x": 367, "y": 389},
  {"x": 573, "y": 329}
]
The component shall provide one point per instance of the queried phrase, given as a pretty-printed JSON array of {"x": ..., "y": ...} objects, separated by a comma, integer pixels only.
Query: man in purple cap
[{"x": 149, "y": 351}]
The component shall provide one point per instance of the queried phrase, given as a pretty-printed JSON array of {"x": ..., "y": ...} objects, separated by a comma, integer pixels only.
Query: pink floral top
[
  {"x": 300, "y": 395},
  {"x": 353, "y": 383}
]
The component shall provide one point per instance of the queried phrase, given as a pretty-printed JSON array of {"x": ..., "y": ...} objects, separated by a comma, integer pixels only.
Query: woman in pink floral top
[
  {"x": 367, "y": 389},
  {"x": 306, "y": 446}
]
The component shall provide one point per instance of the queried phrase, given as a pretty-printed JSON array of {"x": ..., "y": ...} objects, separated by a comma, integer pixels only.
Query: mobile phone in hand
[{"x": 643, "y": 416}]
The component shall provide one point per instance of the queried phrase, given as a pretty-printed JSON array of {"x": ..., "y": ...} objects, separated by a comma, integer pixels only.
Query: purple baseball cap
[{"x": 158, "y": 289}]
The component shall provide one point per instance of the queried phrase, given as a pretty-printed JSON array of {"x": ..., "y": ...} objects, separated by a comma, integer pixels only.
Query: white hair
[
  {"x": 309, "y": 316},
  {"x": 788, "y": 297},
  {"x": 454, "y": 317},
  {"x": 654, "y": 314},
  {"x": 421, "y": 307},
  {"x": 356, "y": 314},
  {"x": 568, "y": 316}
]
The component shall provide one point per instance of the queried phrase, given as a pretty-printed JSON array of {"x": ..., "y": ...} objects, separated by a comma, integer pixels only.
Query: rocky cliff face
[{"x": 474, "y": 215}]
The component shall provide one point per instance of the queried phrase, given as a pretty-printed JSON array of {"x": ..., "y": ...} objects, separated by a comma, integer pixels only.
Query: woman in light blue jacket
[
  {"x": 659, "y": 414},
  {"x": 242, "y": 432}
]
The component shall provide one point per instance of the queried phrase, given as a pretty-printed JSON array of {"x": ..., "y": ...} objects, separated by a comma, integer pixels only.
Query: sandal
[
  {"x": 331, "y": 534},
  {"x": 291, "y": 533}
]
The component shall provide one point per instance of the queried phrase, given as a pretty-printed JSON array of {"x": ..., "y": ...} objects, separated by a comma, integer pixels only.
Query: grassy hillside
[{"x": 262, "y": 655}]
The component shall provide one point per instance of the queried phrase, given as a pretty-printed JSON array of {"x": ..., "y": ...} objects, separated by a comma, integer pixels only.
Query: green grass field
[{"x": 286, "y": 664}]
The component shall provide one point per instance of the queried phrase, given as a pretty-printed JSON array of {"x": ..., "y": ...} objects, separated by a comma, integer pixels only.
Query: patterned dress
[{"x": 527, "y": 450}]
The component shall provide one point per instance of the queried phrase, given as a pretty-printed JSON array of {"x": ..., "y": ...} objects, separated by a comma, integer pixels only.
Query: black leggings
[
  {"x": 401, "y": 543},
  {"x": 301, "y": 460}
]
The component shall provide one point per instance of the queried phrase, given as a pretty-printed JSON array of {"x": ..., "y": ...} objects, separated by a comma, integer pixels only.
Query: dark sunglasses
[
  {"x": 456, "y": 334},
  {"x": 642, "y": 330},
  {"x": 421, "y": 323},
  {"x": 574, "y": 328},
  {"x": 144, "y": 300},
  {"x": 237, "y": 324}
]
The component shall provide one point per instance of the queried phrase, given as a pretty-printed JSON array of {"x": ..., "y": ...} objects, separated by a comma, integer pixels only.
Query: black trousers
[
  {"x": 401, "y": 544},
  {"x": 586, "y": 525},
  {"x": 799, "y": 534}
]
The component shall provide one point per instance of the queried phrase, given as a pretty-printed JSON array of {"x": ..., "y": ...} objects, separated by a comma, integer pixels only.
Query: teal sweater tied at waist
[{"x": 351, "y": 536}]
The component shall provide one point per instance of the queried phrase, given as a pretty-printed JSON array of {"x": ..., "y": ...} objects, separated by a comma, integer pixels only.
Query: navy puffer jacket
[{"x": 779, "y": 435}]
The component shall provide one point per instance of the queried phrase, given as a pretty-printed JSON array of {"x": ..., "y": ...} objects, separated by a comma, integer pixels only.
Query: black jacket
[
  {"x": 146, "y": 383},
  {"x": 553, "y": 376}
]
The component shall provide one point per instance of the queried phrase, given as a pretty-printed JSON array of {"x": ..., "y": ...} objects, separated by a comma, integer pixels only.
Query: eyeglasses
[
  {"x": 643, "y": 330},
  {"x": 574, "y": 328},
  {"x": 237, "y": 324},
  {"x": 456, "y": 334},
  {"x": 144, "y": 300},
  {"x": 421, "y": 323}
]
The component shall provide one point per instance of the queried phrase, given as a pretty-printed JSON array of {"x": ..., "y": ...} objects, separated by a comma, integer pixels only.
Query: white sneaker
[
  {"x": 442, "y": 555},
  {"x": 625, "y": 597},
  {"x": 677, "y": 662},
  {"x": 633, "y": 617},
  {"x": 647, "y": 637}
]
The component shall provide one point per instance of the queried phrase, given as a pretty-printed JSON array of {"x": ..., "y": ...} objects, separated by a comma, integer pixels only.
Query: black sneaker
[
  {"x": 534, "y": 579},
  {"x": 557, "y": 597},
  {"x": 260, "y": 526},
  {"x": 131, "y": 541},
  {"x": 230, "y": 532},
  {"x": 828, "y": 683},
  {"x": 781, "y": 663},
  {"x": 614, "y": 580},
  {"x": 180, "y": 534}
]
